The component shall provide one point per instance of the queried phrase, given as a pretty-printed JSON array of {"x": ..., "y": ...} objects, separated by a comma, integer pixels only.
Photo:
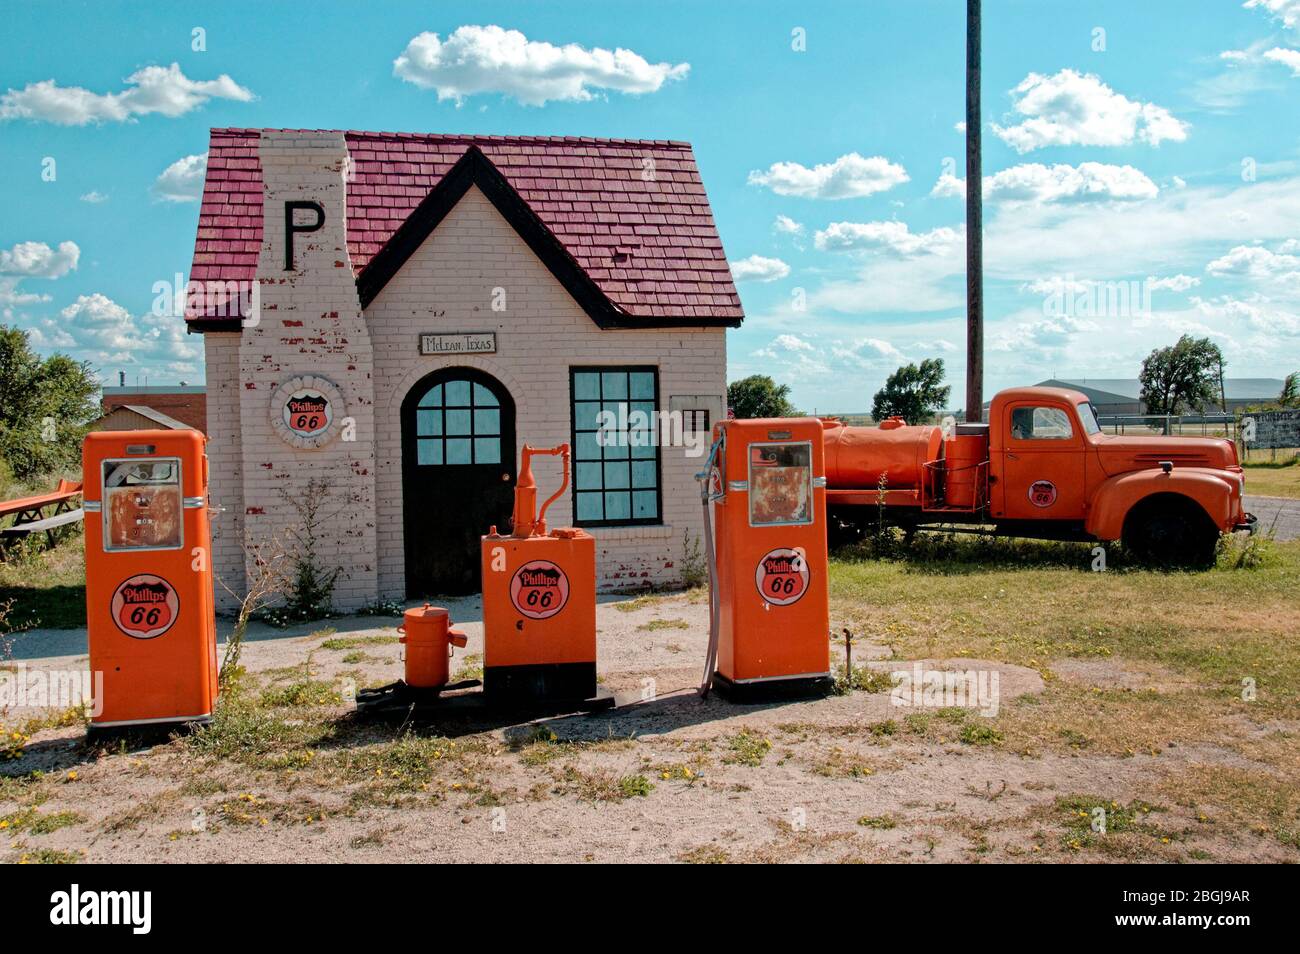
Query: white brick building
[{"x": 437, "y": 302}]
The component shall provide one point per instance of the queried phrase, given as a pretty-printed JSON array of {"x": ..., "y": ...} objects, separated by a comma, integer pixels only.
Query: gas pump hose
[{"x": 711, "y": 558}]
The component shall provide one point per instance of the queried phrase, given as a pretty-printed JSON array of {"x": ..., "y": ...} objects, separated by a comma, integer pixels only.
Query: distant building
[
  {"x": 137, "y": 417},
  {"x": 1123, "y": 395},
  {"x": 186, "y": 403}
]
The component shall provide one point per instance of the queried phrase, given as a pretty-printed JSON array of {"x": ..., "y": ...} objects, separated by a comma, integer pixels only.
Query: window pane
[
  {"x": 458, "y": 394},
  {"x": 643, "y": 473},
  {"x": 429, "y": 452},
  {"x": 645, "y": 452},
  {"x": 642, "y": 385},
  {"x": 618, "y": 450},
  {"x": 613, "y": 385},
  {"x": 586, "y": 386},
  {"x": 428, "y": 423},
  {"x": 616, "y": 476},
  {"x": 645, "y": 505},
  {"x": 618, "y": 506},
  {"x": 587, "y": 476},
  {"x": 433, "y": 398},
  {"x": 487, "y": 450},
  {"x": 584, "y": 415},
  {"x": 458, "y": 451},
  {"x": 457, "y": 422},
  {"x": 484, "y": 398},
  {"x": 487, "y": 422},
  {"x": 589, "y": 507},
  {"x": 587, "y": 447}
]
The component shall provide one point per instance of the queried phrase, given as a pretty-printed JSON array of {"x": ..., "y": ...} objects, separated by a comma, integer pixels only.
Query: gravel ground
[
  {"x": 671, "y": 777},
  {"x": 1281, "y": 514}
]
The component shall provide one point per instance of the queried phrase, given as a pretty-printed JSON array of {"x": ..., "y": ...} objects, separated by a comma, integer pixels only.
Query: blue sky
[{"x": 1141, "y": 182}]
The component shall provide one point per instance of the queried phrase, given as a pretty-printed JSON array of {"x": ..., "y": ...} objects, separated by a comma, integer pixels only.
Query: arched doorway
[{"x": 458, "y": 476}]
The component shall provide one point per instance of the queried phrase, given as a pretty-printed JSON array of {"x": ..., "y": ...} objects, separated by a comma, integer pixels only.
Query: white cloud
[
  {"x": 154, "y": 89},
  {"x": 94, "y": 197},
  {"x": 869, "y": 353},
  {"x": 1034, "y": 182},
  {"x": 182, "y": 181},
  {"x": 848, "y": 177},
  {"x": 784, "y": 347},
  {"x": 787, "y": 225},
  {"x": 1288, "y": 11},
  {"x": 489, "y": 59},
  {"x": 11, "y": 297},
  {"x": 107, "y": 333},
  {"x": 38, "y": 260},
  {"x": 1288, "y": 58},
  {"x": 1254, "y": 261},
  {"x": 960, "y": 127},
  {"x": 1176, "y": 283},
  {"x": 891, "y": 236},
  {"x": 759, "y": 269},
  {"x": 1078, "y": 109}
]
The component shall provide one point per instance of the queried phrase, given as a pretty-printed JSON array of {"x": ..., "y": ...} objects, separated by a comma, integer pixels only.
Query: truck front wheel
[{"x": 1171, "y": 533}]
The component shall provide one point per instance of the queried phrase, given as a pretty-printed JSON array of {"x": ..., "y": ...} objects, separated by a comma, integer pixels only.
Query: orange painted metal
[
  {"x": 539, "y": 598},
  {"x": 964, "y": 475},
  {"x": 149, "y": 598},
  {"x": 857, "y": 457},
  {"x": 428, "y": 636},
  {"x": 774, "y": 616}
]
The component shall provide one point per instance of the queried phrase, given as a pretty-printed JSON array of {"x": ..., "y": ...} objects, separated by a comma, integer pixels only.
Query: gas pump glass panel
[
  {"x": 780, "y": 484},
  {"x": 143, "y": 504}
]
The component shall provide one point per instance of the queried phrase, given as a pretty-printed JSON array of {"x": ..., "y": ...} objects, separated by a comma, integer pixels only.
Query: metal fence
[{"x": 1174, "y": 425}]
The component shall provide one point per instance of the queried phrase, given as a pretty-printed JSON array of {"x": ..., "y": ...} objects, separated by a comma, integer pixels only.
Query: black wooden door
[{"x": 458, "y": 477}]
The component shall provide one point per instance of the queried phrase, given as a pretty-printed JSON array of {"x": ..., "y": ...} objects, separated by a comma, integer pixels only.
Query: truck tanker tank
[{"x": 857, "y": 457}]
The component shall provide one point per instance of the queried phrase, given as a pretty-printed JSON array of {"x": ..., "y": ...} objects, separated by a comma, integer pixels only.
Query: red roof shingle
[{"x": 648, "y": 242}]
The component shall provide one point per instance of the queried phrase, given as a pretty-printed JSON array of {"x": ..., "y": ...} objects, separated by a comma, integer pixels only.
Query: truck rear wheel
[{"x": 1171, "y": 533}]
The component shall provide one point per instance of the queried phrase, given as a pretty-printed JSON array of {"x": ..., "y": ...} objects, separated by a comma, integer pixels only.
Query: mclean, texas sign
[{"x": 465, "y": 343}]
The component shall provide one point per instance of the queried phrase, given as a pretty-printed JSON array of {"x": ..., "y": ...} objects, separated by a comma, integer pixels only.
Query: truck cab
[{"x": 1054, "y": 472}]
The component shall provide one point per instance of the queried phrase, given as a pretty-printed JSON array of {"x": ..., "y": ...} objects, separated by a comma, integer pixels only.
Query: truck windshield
[{"x": 1088, "y": 418}]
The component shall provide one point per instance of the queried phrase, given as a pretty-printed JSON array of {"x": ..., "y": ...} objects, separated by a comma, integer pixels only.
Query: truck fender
[{"x": 1118, "y": 495}]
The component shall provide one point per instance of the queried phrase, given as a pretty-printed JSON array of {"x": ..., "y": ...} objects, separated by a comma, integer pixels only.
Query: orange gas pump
[
  {"x": 149, "y": 601},
  {"x": 770, "y": 616},
  {"x": 539, "y": 602}
]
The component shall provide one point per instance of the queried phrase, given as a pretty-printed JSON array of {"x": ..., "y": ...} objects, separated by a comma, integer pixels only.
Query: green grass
[
  {"x": 1268, "y": 479},
  {"x": 1028, "y": 603},
  {"x": 46, "y": 587},
  {"x": 747, "y": 747}
]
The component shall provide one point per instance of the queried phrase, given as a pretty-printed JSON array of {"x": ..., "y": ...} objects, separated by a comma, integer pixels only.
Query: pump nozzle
[{"x": 527, "y": 521}]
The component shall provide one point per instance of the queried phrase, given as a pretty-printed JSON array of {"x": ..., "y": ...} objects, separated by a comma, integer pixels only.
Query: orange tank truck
[
  {"x": 1041, "y": 467},
  {"x": 149, "y": 600},
  {"x": 773, "y": 613}
]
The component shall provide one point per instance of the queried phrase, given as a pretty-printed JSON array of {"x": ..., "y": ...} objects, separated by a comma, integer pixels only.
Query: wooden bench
[{"x": 29, "y": 512}]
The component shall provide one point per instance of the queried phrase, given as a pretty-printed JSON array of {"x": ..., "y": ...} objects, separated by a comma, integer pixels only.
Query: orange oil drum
[
  {"x": 963, "y": 454},
  {"x": 857, "y": 457},
  {"x": 428, "y": 636}
]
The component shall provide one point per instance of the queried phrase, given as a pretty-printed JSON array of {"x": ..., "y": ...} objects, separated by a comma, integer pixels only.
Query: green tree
[
  {"x": 914, "y": 392},
  {"x": 1184, "y": 376},
  {"x": 45, "y": 407},
  {"x": 1290, "y": 396},
  {"x": 759, "y": 396}
]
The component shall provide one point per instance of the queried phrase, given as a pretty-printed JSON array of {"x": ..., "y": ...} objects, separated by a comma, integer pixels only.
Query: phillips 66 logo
[
  {"x": 307, "y": 413},
  {"x": 539, "y": 589},
  {"x": 145, "y": 606},
  {"x": 1042, "y": 493},
  {"x": 782, "y": 576}
]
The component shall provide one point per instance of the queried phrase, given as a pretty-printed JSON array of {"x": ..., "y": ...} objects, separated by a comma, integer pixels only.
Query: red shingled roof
[{"x": 648, "y": 243}]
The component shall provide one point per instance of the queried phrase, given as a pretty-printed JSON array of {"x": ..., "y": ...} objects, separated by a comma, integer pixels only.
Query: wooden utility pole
[{"x": 974, "y": 222}]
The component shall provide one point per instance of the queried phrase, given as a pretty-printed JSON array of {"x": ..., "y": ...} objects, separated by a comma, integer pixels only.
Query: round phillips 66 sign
[
  {"x": 145, "y": 606},
  {"x": 307, "y": 413},
  {"x": 539, "y": 589},
  {"x": 782, "y": 576},
  {"x": 1042, "y": 493}
]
